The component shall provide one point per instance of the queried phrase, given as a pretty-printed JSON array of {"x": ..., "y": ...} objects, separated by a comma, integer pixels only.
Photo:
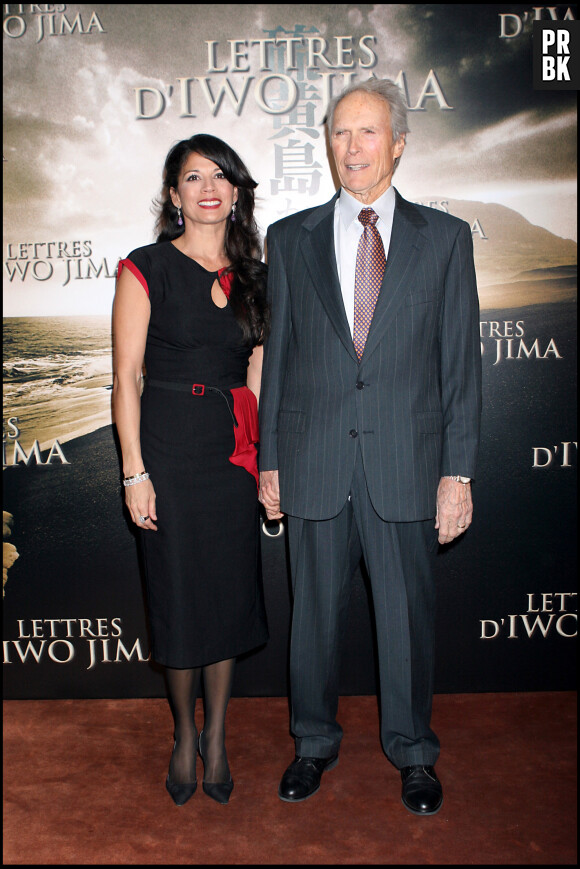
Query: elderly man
[{"x": 369, "y": 430}]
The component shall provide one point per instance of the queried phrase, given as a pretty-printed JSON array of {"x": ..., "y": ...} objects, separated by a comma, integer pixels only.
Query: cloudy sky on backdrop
[{"x": 80, "y": 165}]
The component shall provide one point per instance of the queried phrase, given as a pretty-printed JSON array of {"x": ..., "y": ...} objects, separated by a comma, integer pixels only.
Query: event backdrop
[{"x": 94, "y": 97}]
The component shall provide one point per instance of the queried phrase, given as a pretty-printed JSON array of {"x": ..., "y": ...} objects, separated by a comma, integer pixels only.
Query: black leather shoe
[
  {"x": 422, "y": 791},
  {"x": 218, "y": 791},
  {"x": 180, "y": 793},
  {"x": 302, "y": 778}
]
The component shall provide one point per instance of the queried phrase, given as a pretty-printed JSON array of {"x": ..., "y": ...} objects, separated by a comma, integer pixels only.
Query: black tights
[{"x": 182, "y": 689}]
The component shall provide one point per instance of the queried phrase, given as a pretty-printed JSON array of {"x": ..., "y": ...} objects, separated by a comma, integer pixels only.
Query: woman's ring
[
  {"x": 143, "y": 518},
  {"x": 459, "y": 526}
]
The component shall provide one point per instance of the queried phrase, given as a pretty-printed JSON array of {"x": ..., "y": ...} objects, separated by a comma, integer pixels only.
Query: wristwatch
[{"x": 458, "y": 479}]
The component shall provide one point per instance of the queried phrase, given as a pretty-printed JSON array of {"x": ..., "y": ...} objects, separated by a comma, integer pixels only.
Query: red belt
[{"x": 244, "y": 418}]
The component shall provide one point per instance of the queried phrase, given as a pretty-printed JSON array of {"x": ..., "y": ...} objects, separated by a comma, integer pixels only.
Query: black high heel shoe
[
  {"x": 218, "y": 791},
  {"x": 181, "y": 793}
]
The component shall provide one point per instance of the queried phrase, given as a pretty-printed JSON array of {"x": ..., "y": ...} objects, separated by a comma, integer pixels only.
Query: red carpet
[{"x": 84, "y": 784}]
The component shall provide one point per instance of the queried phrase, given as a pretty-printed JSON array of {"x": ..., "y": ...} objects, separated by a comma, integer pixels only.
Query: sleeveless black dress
[{"x": 202, "y": 565}]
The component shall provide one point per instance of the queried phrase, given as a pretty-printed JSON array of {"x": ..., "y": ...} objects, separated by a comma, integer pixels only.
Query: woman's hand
[
  {"x": 140, "y": 500},
  {"x": 270, "y": 494}
]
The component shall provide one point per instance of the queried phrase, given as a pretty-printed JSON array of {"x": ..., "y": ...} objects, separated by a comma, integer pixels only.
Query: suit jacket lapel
[
  {"x": 407, "y": 241},
  {"x": 317, "y": 244}
]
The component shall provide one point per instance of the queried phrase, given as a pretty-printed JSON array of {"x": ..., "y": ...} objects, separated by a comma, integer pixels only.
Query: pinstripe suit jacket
[{"x": 414, "y": 401}]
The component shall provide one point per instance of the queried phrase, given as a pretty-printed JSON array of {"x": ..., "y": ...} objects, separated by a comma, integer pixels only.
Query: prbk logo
[{"x": 556, "y": 55}]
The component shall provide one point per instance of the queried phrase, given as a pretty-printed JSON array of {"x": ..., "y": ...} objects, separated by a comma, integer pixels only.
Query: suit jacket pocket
[
  {"x": 429, "y": 422},
  {"x": 422, "y": 297},
  {"x": 292, "y": 421}
]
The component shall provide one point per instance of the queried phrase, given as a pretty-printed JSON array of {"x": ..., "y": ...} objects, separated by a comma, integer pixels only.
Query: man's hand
[
  {"x": 454, "y": 509},
  {"x": 270, "y": 494}
]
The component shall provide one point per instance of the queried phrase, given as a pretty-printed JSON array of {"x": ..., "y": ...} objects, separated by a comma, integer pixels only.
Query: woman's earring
[
  {"x": 233, "y": 217},
  {"x": 179, "y": 217}
]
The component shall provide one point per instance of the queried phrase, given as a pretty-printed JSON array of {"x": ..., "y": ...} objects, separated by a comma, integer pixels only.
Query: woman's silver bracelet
[{"x": 136, "y": 478}]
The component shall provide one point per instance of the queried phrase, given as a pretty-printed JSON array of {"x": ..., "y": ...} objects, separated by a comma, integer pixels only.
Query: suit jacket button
[
  {"x": 353, "y": 433},
  {"x": 360, "y": 384}
]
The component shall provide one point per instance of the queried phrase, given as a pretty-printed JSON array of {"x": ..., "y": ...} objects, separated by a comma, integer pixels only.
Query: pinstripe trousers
[{"x": 323, "y": 557}]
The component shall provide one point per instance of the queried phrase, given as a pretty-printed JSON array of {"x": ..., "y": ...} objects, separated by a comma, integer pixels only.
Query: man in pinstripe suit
[{"x": 369, "y": 451}]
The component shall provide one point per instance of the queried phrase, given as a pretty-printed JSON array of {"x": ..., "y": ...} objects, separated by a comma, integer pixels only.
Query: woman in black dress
[{"x": 192, "y": 310}]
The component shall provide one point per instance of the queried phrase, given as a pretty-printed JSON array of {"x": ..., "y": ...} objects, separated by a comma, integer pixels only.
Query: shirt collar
[{"x": 350, "y": 208}]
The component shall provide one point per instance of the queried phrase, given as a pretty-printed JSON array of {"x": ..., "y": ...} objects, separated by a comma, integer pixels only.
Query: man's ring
[
  {"x": 459, "y": 526},
  {"x": 143, "y": 518}
]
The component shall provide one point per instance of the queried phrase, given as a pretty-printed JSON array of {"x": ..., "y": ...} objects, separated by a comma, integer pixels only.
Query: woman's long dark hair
[{"x": 242, "y": 240}]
